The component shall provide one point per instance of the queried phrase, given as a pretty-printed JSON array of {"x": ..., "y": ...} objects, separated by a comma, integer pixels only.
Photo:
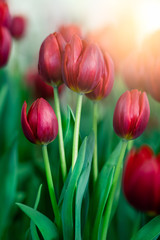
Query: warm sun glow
[{"x": 148, "y": 17}]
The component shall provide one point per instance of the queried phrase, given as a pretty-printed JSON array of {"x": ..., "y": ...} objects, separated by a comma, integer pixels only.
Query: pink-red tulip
[
  {"x": 68, "y": 31},
  {"x": 131, "y": 114},
  {"x": 82, "y": 65},
  {"x": 40, "y": 125},
  {"x": 50, "y": 58},
  {"x": 106, "y": 83},
  {"x": 141, "y": 179},
  {"x": 18, "y": 27},
  {"x": 5, "y": 46},
  {"x": 5, "y": 18}
]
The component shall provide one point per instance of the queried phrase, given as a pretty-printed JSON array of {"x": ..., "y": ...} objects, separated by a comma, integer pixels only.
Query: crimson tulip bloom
[
  {"x": 68, "y": 31},
  {"x": 5, "y": 18},
  {"x": 82, "y": 65},
  {"x": 105, "y": 86},
  {"x": 18, "y": 27},
  {"x": 50, "y": 58},
  {"x": 5, "y": 46},
  {"x": 131, "y": 114},
  {"x": 40, "y": 126},
  {"x": 141, "y": 179}
]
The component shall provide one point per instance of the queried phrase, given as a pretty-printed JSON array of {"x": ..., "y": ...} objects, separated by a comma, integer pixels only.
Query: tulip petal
[
  {"x": 25, "y": 125},
  {"x": 47, "y": 124}
]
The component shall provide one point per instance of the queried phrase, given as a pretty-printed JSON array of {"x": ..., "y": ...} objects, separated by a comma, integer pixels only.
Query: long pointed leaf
[
  {"x": 44, "y": 224},
  {"x": 67, "y": 213},
  {"x": 82, "y": 184}
]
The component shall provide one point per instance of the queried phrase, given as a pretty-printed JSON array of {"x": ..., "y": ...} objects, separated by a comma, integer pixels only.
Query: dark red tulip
[
  {"x": 68, "y": 31},
  {"x": 40, "y": 125},
  {"x": 38, "y": 85},
  {"x": 106, "y": 83},
  {"x": 141, "y": 179},
  {"x": 82, "y": 65},
  {"x": 50, "y": 58},
  {"x": 131, "y": 114},
  {"x": 18, "y": 27},
  {"x": 5, "y": 46},
  {"x": 5, "y": 18}
]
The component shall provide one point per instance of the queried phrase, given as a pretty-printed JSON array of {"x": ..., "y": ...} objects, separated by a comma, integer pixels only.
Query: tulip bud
[
  {"x": 5, "y": 46},
  {"x": 68, "y": 31},
  {"x": 5, "y": 18},
  {"x": 106, "y": 83},
  {"x": 39, "y": 88},
  {"x": 40, "y": 126},
  {"x": 50, "y": 58},
  {"x": 82, "y": 65},
  {"x": 141, "y": 179},
  {"x": 18, "y": 27},
  {"x": 131, "y": 114}
]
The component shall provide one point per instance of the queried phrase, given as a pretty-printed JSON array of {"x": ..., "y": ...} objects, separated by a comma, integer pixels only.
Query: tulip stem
[
  {"x": 60, "y": 135},
  {"x": 95, "y": 161},
  {"x": 51, "y": 186},
  {"x": 76, "y": 130},
  {"x": 108, "y": 210}
]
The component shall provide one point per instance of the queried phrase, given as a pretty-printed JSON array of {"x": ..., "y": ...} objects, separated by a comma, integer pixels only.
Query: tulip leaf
[
  {"x": 3, "y": 95},
  {"x": 82, "y": 184},
  {"x": 33, "y": 228},
  {"x": 149, "y": 231},
  {"x": 45, "y": 225},
  {"x": 104, "y": 177},
  {"x": 68, "y": 137},
  {"x": 67, "y": 211},
  {"x": 102, "y": 202},
  {"x": 8, "y": 176}
]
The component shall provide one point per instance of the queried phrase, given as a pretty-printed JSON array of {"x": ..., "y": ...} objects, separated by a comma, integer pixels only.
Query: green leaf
[
  {"x": 45, "y": 225},
  {"x": 68, "y": 139},
  {"x": 100, "y": 188},
  {"x": 102, "y": 201},
  {"x": 149, "y": 231},
  {"x": 67, "y": 214},
  {"x": 8, "y": 182},
  {"x": 34, "y": 232},
  {"x": 3, "y": 95},
  {"x": 82, "y": 184}
]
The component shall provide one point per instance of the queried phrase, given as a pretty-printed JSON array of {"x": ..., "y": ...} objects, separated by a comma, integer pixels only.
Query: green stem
[
  {"x": 60, "y": 135},
  {"x": 95, "y": 161},
  {"x": 51, "y": 186},
  {"x": 108, "y": 210},
  {"x": 76, "y": 130}
]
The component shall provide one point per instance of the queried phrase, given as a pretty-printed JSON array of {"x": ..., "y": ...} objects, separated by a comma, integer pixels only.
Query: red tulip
[
  {"x": 5, "y": 46},
  {"x": 68, "y": 31},
  {"x": 18, "y": 27},
  {"x": 38, "y": 85},
  {"x": 131, "y": 114},
  {"x": 5, "y": 18},
  {"x": 50, "y": 58},
  {"x": 40, "y": 126},
  {"x": 141, "y": 179},
  {"x": 82, "y": 65},
  {"x": 105, "y": 86}
]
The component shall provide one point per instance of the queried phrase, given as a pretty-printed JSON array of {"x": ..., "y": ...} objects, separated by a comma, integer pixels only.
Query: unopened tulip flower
[
  {"x": 82, "y": 65},
  {"x": 18, "y": 27},
  {"x": 5, "y": 18},
  {"x": 131, "y": 114},
  {"x": 40, "y": 125},
  {"x": 141, "y": 179},
  {"x": 68, "y": 31},
  {"x": 50, "y": 58},
  {"x": 5, "y": 46},
  {"x": 105, "y": 86}
]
